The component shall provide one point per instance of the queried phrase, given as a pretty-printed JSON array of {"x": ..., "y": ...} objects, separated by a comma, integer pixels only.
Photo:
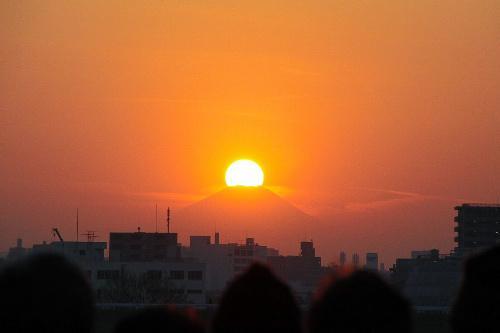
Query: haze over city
[{"x": 374, "y": 120}]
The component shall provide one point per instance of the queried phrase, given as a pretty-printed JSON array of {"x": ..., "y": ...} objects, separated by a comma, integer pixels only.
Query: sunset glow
[
  {"x": 374, "y": 117},
  {"x": 244, "y": 173}
]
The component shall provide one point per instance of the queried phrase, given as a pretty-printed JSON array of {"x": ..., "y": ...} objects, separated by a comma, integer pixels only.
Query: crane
[{"x": 55, "y": 232}]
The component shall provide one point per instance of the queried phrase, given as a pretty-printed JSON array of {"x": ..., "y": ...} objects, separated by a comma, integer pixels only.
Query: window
[
  {"x": 153, "y": 275},
  {"x": 177, "y": 275},
  {"x": 194, "y": 291},
  {"x": 108, "y": 275},
  {"x": 82, "y": 252},
  {"x": 195, "y": 275}
]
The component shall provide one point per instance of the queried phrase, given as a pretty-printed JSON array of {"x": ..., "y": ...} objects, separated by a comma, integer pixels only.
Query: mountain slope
[{"x": 239, "y": 212}]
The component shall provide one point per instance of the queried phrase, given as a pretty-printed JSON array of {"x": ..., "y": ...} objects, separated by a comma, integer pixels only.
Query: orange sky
[{"x": 376, "y": 117}]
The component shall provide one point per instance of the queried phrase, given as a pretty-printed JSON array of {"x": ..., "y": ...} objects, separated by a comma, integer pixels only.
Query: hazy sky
[{"x": 375, "y": 116}]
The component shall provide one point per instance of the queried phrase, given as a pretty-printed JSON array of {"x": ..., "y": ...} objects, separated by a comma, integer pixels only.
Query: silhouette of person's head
[
  {"x": 361, "y": 302},
  {"x": 159, "y": 319},
  {"x": 477, "y": 307},
  {"x": 257, "y": 301},
  {"x": 45, "y": 293}
]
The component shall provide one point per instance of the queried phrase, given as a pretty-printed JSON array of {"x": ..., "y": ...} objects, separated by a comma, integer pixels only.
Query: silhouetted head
[
  {"x": 361, "y": 302},
  {"x": 257, "y": 301},
  {"x": 477, "y": 308},
  {"x": 45, "y": 293},
  {"x": 157, "y": 320}
]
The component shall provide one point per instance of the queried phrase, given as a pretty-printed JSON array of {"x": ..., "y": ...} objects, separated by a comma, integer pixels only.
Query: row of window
[
  {"x": 189, "y": 291},
  {"x": 191, "y": 275},
  {"x": 154, "y": 274},
  {"x": 108, "y": 275}
]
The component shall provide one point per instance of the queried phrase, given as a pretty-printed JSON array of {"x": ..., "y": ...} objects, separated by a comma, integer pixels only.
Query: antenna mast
[
  {"x": 77, "y": 224},
  {"x": 168, "y": 220},
  {"x": 156, "y": 217}
]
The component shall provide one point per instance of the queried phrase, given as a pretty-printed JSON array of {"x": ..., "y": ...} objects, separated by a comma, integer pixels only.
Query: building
[
  {"x": 17, "y": 252},
  {"x": 428, "y": 280},
  {"x": 477, "y": 227},
  {"x": 75, "y": 251},
  {"x": 421, "y": 254},
  {"x": 145, "y": 282},
  {"x": 224, "y": 260},
  {"x": 342, "y": 258},
  {"x": 372, "y": 261},
  {"x": 355, "y": 259},
  {"x": 302, "y": 272},
  {"x": 146, "y": 268},
  {"x": 143, "y": 247}
]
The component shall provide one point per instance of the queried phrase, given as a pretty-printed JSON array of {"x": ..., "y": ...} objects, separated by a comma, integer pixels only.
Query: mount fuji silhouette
[{"x": 240, "y": 212}]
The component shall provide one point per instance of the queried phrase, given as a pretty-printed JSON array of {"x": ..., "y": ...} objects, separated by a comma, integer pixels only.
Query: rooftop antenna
[
  {"x": 91, "y": 236},
  {"x": 156, "y": 217},
  {"x": 77, "y": 224},
  {"x": 168, "y": 220}
]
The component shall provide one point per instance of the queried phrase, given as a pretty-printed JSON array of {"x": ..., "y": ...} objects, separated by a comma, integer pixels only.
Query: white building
[
  {"x": 224, "y": 261},
  {"x": 186, "y": 279}
]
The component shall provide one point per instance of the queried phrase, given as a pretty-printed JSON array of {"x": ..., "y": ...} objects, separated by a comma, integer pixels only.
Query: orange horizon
[{"x": 376, "y": 118}]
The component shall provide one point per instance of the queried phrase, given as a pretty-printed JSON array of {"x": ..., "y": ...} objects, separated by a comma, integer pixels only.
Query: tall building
[
  {"x": 372, "y": 261},
  {"x": 355, "y": 259},
  {"x": 342, "y": 258},
  {"x": 478, "y": 227},
  {"x": 307, "y": 249}
]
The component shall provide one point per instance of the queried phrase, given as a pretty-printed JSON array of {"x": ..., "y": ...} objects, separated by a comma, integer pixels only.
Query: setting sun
[{"x": 244, "y": 173}]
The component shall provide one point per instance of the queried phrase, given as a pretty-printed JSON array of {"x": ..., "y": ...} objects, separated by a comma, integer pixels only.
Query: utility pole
[{"x": 156, "y": 217}]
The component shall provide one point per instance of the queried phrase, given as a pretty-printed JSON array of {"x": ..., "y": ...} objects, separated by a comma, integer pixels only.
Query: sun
[{"x": 244, "y": 173}]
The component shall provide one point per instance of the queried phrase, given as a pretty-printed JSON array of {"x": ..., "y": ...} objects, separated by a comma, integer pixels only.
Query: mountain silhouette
[{"x": 240, "y": 212}]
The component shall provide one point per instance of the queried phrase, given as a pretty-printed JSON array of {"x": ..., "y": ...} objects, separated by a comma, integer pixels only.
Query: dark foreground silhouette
[
  {"x": 477, "y": 308},
  {"x": 257, "y": 302},
  {"x": 361, "y": 302},
  {"x": 47, "y": 293},
  {"x": 159, "y": 319},
  {"x": 44, "y": 294}
]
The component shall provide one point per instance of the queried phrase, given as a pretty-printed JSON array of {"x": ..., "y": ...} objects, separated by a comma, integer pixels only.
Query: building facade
[
  {"x": 477, "y": 227},
  {"x": 224, "y": 260}
]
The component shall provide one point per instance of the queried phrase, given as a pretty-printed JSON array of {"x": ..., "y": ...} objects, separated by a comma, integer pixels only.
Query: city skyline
[{"x": 375, "y": 119}]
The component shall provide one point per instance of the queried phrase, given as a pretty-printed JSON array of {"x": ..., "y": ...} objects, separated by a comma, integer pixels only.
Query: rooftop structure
[
  {"x": 77, "y": 251},
  {"x": 143, "y": 247}
]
